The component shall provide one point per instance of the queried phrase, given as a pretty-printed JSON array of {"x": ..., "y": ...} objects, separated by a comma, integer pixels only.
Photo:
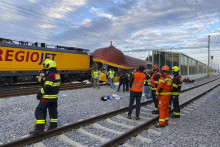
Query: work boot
[
  {"x": 51, "y": 127},
  {"x": 159, "y": 126},
  {"x": 137, "y": 117},
  {"x": 129, "y": 116},
  {"x": 175, "y": 116},
  {"x": 154, "y": 112},
  {"x": 39, "y": 129}
]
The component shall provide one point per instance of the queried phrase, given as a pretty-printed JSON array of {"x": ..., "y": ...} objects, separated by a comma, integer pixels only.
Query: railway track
[
  {"x": 34, "y": 89},
  {"x": 126, "y": 128}
]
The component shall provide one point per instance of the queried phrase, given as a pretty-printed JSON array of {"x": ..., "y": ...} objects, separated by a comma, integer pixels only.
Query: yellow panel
[
  {"x": 103, "y": 78},
  {"x": 14, "y": 59}
]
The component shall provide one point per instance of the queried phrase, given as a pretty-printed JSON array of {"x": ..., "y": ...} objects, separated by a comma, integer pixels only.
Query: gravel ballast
[{"x": 17, "y": 113}]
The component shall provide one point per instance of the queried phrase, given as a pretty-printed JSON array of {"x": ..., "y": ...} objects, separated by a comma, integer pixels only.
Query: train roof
[
  {"x": 114, "y": 57},
  {"x": 10, "y": 43}
]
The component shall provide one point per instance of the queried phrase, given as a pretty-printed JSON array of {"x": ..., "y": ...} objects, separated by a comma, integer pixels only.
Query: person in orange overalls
[
  {"x": 163, "y": 93},
  {"x": 153, "y": 86}
]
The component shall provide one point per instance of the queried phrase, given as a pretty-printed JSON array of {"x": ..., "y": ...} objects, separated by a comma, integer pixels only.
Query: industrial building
[{"x": 189, "y": 67}]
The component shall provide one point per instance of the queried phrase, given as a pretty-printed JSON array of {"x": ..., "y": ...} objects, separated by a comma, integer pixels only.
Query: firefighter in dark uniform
[
  {"x": 177, "y": 83},
  {"x": 48, "y": 96},
  {"x": 153, "y": 86},
  {"x": 42, "y": 77}
]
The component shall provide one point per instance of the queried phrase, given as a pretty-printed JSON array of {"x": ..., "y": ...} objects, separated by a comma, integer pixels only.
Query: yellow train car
[{"x": 23, "y": 62}]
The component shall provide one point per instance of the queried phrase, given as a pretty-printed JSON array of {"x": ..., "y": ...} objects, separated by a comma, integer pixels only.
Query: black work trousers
[
  {"x": 155, "y": 99},
  {"x": 127, "y": 85},
  {"x": 133, "y": 96},
  {"x": 121, "y": 83},
  {"x": 41, "y": 111},
  {"x": 175, "y": 102}
]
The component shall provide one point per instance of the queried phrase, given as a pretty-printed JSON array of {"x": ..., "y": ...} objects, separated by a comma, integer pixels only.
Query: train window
[
  {"x": 149, "y": 66},
  {"x": 116, "y": 71},
  {"x": 97, "y": 65},
  {"x": 120, "y": 71},
  {"x": 104, "y": 68}
]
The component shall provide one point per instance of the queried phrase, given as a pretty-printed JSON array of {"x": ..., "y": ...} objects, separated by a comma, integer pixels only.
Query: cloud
[
  {"x": 130, "y": 24},
  {"x": 46, "y": 26},
  {"x": 60, "y": 9},
  {"x": 100, "y": 12}
]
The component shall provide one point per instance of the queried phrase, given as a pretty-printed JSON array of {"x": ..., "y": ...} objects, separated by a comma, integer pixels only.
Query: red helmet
[
  {"x": 166, "y": 68},
  {"x": 155, "y": 66}
]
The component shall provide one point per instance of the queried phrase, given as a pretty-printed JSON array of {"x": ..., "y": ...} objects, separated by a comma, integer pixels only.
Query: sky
[{"x": 129, "y": 24}]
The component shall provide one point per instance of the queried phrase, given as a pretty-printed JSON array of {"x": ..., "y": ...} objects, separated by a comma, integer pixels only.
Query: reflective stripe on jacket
[
  {"x": 51, "y": 86},
  {"x": 138, "y": 83},
  {"x": 165, "y": 85},
  {"x": 177, "y": 83},
  {"x": 147, "y": 80}
]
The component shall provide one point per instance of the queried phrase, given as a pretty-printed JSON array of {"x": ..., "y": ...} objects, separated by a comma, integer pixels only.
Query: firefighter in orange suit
[
  {"x": 153, "y": 86},
  {"x": 163, "y": 93},
  {"x": 177, "y": 83},
  {"x": 136, "y": 84}
]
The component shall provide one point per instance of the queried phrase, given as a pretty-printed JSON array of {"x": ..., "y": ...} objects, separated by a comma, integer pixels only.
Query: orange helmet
[
  {"x": 155, "y": 67},
  {"x": 166, "y": 68}
]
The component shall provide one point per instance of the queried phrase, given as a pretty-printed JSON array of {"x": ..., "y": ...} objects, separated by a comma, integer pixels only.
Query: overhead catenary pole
[{"x": 208, "y": 53}]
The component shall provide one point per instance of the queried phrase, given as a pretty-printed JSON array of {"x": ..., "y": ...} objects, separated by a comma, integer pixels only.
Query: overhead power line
[
  {"x": 198, "y": 17},
  {"x": 53, "y": 18},
  {"x": 206, "y": 16},
  {"x": 172, "y": 48}
]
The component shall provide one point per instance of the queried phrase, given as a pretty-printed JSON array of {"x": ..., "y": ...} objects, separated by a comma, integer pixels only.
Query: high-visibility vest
[
  {"x": 111, "y": 74},
  {"x": 138, "y": 83},
  {"x": 95, "y": 74}
]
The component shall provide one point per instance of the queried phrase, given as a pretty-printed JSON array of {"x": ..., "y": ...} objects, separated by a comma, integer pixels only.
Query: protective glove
[
  {"x": 39, "y": 79},
  {"x": 39, "y": 95}
]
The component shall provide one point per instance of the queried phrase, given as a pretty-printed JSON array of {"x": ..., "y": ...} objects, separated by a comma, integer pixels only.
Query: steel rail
[
  {"x": 122, "y": 138},
  {"x": 34, "y": 89},
  {"x": 36, "y": 138}
]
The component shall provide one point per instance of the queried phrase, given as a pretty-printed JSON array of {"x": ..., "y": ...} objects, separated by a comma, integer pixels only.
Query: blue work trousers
[
  {"x": 111, "y": 82},
  {"x": 147, "y": 92}
]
